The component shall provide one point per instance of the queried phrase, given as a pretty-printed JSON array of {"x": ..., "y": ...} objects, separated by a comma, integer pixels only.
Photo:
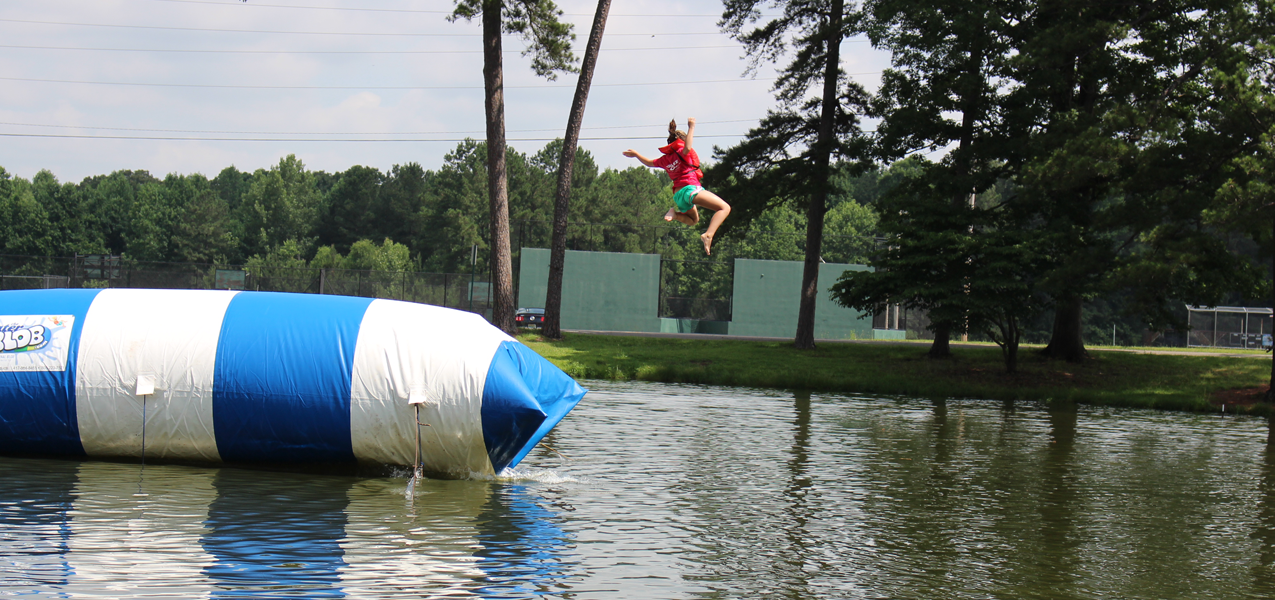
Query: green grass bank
[{"x": 1197, "y": 382}]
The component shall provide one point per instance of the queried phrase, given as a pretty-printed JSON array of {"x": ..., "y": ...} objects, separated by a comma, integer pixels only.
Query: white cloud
[{"x": 255, "y": 55}]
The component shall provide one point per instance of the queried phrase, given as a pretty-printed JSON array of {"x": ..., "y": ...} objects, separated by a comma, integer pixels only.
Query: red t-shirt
[{"x": 679, "y": 171}]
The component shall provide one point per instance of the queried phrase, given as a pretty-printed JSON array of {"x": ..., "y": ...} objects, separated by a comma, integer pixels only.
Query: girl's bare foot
[
  {"x": 708, "y": 242},
  {"x": 668, "y": 216}
]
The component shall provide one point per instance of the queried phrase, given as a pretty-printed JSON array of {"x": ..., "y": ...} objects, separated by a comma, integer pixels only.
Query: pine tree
[
  {"x": 788, "y": 157},
  {"x": 946, "y": 88},
  {"x": 552, "y": 326},
  {"x": 549, "y": 45},
  {"x": 1244, "y": 103}
]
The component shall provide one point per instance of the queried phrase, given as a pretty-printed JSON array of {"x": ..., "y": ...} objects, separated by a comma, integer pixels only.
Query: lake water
[{"x": 666, "y": 491}]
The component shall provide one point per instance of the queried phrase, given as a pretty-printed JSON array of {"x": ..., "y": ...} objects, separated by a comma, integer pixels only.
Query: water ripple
[{"x": 682, "y": 491}]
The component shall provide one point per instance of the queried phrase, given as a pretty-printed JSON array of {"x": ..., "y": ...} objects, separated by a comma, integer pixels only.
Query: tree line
[
  {"x": 289, "y": 211},
  {"x": 1090, "y": 150},
  {"x": 413, "y": 219},
  {"x": 405, "y": 219}
]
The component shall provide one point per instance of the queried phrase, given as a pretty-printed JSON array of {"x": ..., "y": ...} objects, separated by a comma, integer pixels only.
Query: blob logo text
[{"x": 17, "y": 338}]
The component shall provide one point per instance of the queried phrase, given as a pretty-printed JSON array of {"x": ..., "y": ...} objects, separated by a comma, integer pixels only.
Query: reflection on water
[
  {"x": 1263, "y": 570},
  {"x": 33, "y": 525},
  {"x": 112, "y": 529},
  {"x": 287, "y": 534},
  {"x": 658, "y": 491},
  {"x": 520, "y": 550}
]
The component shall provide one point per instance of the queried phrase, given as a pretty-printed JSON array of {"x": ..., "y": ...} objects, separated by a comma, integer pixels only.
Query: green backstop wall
[
  {"x": 767, "y": 296},
  {"x": 610, "y": 291},
  {"x": 601, "y": 291}
]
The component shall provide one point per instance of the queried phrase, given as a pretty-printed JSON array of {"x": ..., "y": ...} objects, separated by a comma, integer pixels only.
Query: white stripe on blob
[
  {"x": 405, "y": 350},
  {"x": 169, "y": 336}
]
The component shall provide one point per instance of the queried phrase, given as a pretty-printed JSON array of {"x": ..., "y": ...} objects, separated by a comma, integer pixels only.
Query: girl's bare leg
[
  {"x": 720, "y": 210},
  {"x": 690, "y": 217}
]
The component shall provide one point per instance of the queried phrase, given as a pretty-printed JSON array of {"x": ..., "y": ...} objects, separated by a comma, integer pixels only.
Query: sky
[{"x": 89, "y": 87}]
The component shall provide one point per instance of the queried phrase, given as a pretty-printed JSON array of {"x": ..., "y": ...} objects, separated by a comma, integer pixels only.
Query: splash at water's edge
[
  {"x": 547, "y": 476},
  {"x": 536, "y": 475}
]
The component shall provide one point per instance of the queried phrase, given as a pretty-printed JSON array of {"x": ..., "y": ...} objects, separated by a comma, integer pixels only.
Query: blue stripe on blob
[
  {"x": 37, "y": 408},
  {"x": 281, "y": 384},
  {"x": 523, "y": 398}
]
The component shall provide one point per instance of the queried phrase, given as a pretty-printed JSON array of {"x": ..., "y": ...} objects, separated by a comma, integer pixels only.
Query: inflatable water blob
[{"x": 265, "y": 377}]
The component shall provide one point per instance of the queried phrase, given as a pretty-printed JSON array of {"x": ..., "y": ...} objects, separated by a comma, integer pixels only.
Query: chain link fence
[
  {"x": 698, "y": 288},
  {"x": 33, "y": 282},
  {"x": 464, "y": 291},
  {"x": 1229, "y": 327}
]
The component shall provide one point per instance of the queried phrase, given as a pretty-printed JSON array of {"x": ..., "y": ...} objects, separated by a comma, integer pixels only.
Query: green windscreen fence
[
  {"x": 601, "y": 291},
  {"x": 767, "y": 298},
  {"x": 610, "y": 291}
]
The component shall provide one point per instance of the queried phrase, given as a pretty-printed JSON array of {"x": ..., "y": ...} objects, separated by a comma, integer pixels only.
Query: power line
[
  {"x": 259, "y": 5},
  {"x": 402, "y": 10},
  {"x": 377, "y": 34},
  {"x": 646, "y": 126},
  {"x": 190, "y": 51},
  {"x": 327, "y": 140},
  {"x": 362, "y": 87}
]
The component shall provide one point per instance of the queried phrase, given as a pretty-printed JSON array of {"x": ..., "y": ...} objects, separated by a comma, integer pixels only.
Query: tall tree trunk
[
  {"x": 941, "y": 348},
  {"x": 502, "y": 278},
  {"x": 805, "y": 338},
  {"x": 1012, "y": 337},
  {"x": 1067, "y": 342},
  {"x": 971, "y": 111},
  {"x": 552, "y": 326}
]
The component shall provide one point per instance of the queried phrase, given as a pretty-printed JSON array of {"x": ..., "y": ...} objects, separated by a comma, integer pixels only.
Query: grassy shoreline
[{"x": 1128, "y": 379}]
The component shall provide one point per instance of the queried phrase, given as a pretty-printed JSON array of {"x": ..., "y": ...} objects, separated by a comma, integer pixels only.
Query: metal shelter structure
[{"x": 1229, "y": 327}]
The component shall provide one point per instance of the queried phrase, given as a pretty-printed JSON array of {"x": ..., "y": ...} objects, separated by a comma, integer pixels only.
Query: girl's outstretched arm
[
  {"x": 631, "y": 153},
  {"x": 690, "y": 131}
]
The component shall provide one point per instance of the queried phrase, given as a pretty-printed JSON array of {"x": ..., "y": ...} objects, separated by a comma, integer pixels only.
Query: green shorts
[{"x": 684, "y": 197}]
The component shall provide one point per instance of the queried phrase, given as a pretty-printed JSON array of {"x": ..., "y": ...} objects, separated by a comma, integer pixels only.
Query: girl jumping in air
[{"x": 682, "y": 164}]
